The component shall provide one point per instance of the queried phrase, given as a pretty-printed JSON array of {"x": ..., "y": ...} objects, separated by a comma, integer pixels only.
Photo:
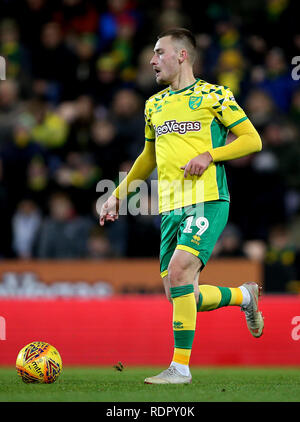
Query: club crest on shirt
[{"x": 195, "y": 102}]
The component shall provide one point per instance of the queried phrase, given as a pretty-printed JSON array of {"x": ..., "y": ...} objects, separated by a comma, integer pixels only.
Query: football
[{"x": 39, "y": 362}]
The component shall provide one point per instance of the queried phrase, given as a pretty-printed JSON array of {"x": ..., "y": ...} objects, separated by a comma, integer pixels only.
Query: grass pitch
[{"x": 85, "y": 384}]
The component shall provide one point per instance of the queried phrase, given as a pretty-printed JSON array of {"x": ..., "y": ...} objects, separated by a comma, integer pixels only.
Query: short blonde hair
[{"x": 185, "y": 36}]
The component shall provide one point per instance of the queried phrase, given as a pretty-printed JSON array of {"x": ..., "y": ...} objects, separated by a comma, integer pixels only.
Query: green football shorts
[{"x": 194, "y": 229}]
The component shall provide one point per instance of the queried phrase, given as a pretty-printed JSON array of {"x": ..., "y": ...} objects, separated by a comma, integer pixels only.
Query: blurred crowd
[{"x": 71, "y": 114}]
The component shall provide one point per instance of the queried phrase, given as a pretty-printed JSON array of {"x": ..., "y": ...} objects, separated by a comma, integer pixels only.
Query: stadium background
[{"x": 71, "y": 114}]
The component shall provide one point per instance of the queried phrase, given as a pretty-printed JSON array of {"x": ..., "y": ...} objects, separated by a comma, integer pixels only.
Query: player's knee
[{"x": 177, "y": 273}]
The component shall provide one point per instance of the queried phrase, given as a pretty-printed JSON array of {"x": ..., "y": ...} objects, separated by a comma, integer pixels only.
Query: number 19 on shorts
[{"x": 201, "y": 223}]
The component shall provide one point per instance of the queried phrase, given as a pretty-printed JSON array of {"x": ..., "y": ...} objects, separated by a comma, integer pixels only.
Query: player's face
[{"x": 165, "y": 61}]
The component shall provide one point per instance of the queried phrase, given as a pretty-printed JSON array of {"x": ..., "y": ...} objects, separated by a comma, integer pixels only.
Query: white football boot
[
  {"x": 254, "y": 318},
  {"x": 169, "y": 376}
]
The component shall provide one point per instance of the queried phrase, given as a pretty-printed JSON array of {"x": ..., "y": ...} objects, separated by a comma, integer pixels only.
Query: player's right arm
[{"x": 141, "y": 170}]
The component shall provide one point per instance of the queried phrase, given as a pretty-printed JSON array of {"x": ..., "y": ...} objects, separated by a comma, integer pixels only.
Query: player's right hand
[{"x": 109, "y": 210}]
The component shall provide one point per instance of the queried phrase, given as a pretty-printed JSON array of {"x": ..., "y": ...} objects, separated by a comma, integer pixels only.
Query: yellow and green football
[{"x": 39, "y": 362}]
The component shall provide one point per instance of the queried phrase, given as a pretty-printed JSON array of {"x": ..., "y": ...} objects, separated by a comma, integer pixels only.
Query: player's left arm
[
  {"x": 247, "y": 142},
  {"x": 229, "y": 114}
]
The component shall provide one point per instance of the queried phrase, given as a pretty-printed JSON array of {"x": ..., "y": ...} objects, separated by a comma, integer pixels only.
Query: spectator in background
[
  {"x": 122, "y": 49},
  {"x": 98, "y": 244},
  {"x": 277, "y": 80},
  {"x": 230, "y": 70},
  {"x": 108, "y": 81},
  {"x": 169, "y": 14},
  {"x": 78, "y": 176},
  {"x": 294, "y": 229},
  {"x": 244, "y": 183},
  {"x": 282, "y": 146},
  {"x": 5, "y": 218},
  {"x": 80, "y": 115},
  {"x": 31, "y": 16},
  {"x": 117, "y": 12},
  {"x": 128, "y": 117},
  {"x": 53, "y": 66},
  {"x": 10, "y": 108},
  {"x": 63, "y": 234},
  {"x": 294, "y": 47},
  {"x": 226, "y": 36},
  {"x": 260, "y": 108},
  {"x": 277, "y": 14},
  {"x": 230, "y": 244},
  {"x": 106, "y": 145},
  {"x": 266, "y": 186},
  {"x": 16, "y": 56},
  {"x": 295, "y": 108},
  {"x": 256, "y": 49},
  {"x": 17, "y": 154},
  {"x": 50, "y": 129},
  {"x": 271, "y": 179},
  {"x": 38, "y": 181},
  {"x": 25, "y": 224},
  {"x": 258, "y": 188},
  {"x": 76, "y": 17},
  {"x": 85, "y": 50}
]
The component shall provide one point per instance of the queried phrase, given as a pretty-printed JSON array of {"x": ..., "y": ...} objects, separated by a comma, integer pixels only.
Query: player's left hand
[{"x": 197, "y": 165}]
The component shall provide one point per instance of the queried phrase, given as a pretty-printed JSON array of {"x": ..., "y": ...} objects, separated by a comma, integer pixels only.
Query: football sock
[
  {"x": 214, "y": 297},
  {"x": 184, "y": 325},
  {"x": 246, "y": 296},
  {"x": 183, "y": 369}
]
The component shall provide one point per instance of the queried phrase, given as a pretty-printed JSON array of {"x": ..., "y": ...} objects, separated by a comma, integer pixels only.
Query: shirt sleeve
[
  {"x": 149, "y": 129},
  {"x": 247, "y": 142},
  {"x": 226, "y": 109}
]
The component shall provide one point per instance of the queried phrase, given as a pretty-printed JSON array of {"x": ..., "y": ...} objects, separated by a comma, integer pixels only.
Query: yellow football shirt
[{"x": 184, "y": 124}]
